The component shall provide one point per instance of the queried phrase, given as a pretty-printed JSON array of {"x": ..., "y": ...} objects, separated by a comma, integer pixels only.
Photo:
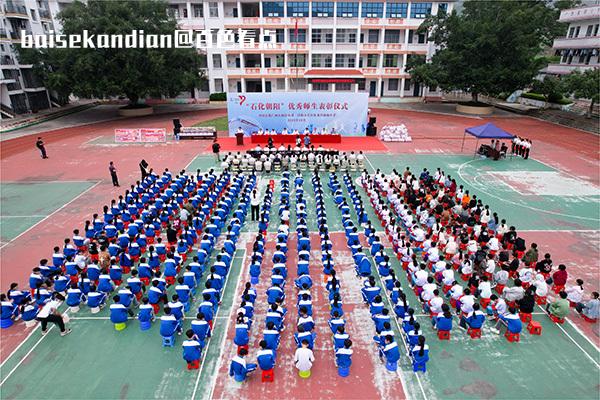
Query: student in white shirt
[
  {"x": 50, "y": 313},
  {"x": 304, "y": 358}
]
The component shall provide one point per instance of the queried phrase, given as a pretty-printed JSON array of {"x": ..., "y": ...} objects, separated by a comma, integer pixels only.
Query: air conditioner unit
[{"x": 321, "y": 15}]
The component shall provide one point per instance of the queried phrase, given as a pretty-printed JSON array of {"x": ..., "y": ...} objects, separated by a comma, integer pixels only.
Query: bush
[
  {"x": 533, "y": 96},
  {"x": 218, "y": 96},
  {"x": 553, "y": 98}
]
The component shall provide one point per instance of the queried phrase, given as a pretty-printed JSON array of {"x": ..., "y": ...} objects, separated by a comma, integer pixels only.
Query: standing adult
[
  {"x": 113, "y": 174},
  {"x": 50, "y": 313},
  {"x": 143, "y": 168},
  {"x": 254, "y": 204},
  {"x": 40, "y": 145},
  {"x": 216, "y": 147}
]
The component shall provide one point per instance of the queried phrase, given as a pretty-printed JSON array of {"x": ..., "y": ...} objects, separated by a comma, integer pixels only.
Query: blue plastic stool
[
  {"x": 145, "y": 325},
  {"x": 168, "y": 341},
  {"x": 343, "y": 371},
  {"x": 6, "y": 323},
  {"x": 419, "y": 366},
  {"x": 254, "y": 280},
  {"x": 391, "y": 366}
]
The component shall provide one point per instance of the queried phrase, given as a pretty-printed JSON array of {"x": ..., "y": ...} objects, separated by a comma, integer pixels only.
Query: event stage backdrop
[{"x": 344, "y": 112}]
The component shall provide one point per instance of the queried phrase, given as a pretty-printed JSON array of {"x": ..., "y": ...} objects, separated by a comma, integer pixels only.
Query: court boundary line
[
  {"x": 22, "y": 216},
  {"x": 582, "y": 333},
  {"x": 12, "y": 353},
  {"x": 228, "y": 324},
  {"x": 52, "y": 181},
  {"x": 202, "y": 362},
  {"x": 51, "y": 214}
]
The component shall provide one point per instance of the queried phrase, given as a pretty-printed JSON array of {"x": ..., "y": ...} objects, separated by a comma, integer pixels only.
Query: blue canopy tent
[{"x": 486, "y": 131}]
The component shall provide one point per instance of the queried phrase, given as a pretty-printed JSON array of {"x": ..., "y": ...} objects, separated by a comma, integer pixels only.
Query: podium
[{"x": 239, "y": 138}]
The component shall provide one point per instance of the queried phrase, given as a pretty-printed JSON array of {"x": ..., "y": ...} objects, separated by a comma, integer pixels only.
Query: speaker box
[
  {"x": 371, "y": 131},
  {"x": 372, "y": 120}
]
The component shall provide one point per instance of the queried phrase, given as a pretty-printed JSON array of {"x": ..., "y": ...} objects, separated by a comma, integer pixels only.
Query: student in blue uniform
[
  {"x": 443, "y": 321},
  {"x": 169, "y": 324},
  {"x": 201, "y": 328},
  {"x": 118, "y": 312},
  {"x": 302, "y": 335},
  {"x": 476, "y": 318},
  {"x": 192, "y": 350},
  {"x": 420, "y": 353},
  {"x": 343, "y": 355},
  {"x": 241, "y": 332},
  {"x": 95, "y": 298},
  {"x": 238, "y": 368},
  {"x": 265, "y": 357},
  {"x": 271, "y": 336},
  {"x": 390, "y": 352},
  {"x": 146, "y": 311}
]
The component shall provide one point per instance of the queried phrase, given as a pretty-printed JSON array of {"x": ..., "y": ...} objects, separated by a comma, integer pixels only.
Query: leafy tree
[
  {"x": 490, "y": 48},
  {"x": 102, "y": 72},
  {"x": 584, "y": 85},
  {"x": 550, "y": 87}
]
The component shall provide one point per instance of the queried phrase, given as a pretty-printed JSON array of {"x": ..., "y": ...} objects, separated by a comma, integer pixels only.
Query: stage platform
[
  {"x": 367, "y": 144},
  {"x": 291, "y": 139}
]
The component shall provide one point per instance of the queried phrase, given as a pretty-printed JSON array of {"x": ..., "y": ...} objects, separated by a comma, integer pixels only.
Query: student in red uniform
[{"x": 560, "y": 278}]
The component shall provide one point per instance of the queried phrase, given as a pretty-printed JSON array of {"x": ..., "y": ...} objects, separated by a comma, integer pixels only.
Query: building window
[
  {"x": 297, "y": 84},
  {"x": 373, "y": 36},
  {"x": 322, "y": 9},
  {"x": 280, "y": 35},
  {"x": 390, "y": 61},
  {"x": 391, "y": 36},
  {"x": 213, "y": 9},
  {"x": 372, "y": 10},
  {"x": 297, "y": 9},
  {"x": 420, "y": 10},
  {"x": 320, "y": 86},
  {"x": 589, "y": 31},
  {"x": 322, "y": 36},
  {"x": 596, "y": 29},
  {"x": 218, "y": 85},
  {"x": 216, "y": 59},
  {"x": 321, "y": 60},
  {"x": 343, "y": 87},
  {"x": 273, "y": 9},
  {"x": 198, "y": 10},
  {"x": 299, "y": 37},
  {"x": 345, "y": 61},
  {"x": 280, "y": 84},
  {"x": 407, "y": 85},
  {"x": 297, "y": 60},
  {"x": 372, "y": 60},
  {"x": 280, "y": 60},
  {"x": 347, "y": 9},
  {"x": 442, "y": 8},
  {"x": 345, "y": 36},
  {"x": 33, "y": 14},
  {"x": 571, "y": 32},
  {"x": 393, "y": 85},
  {"x": 397, "y": 10},
  {"x": 577, "y": 30}
]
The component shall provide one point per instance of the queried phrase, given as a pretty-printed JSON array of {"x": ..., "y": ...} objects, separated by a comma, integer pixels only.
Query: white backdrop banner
[{"x": 346, "y": 113}]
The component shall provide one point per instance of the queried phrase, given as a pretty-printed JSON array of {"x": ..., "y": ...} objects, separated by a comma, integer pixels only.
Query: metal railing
[{"x": 12, "y": 8}]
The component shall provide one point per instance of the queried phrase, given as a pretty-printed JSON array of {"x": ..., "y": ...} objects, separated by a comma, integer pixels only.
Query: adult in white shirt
[
  {"x": 50, "y": 313},
  {"x": 284, "y": 131},
  {"x": 304, "y": 358}
]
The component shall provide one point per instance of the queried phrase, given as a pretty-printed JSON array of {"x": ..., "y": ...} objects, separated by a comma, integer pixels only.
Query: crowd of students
[
  {"x": 456, "y": 234},
  {"x": 271, "y": 158}
]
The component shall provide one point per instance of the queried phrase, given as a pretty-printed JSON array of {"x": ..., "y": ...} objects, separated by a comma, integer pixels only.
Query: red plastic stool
[
  {"x": 193, "y": 365},
  {"x": 241, "y": 347},
  {"x": 541, "y": 300},
  {"x": 499, "y": 288},
  {"x": 483, "y": 302},
  {"x": 525, "y": 317},
  {"x": 512, "y": 337},
  {"x": 268, "y": 375},
  {"x": 534, "y": 328},
  {"x": 474, "y": 333},
  {"x": 444, "y": 335},
  {"x": 557, "y": 320},
  {"x": 588, "y": 319}
]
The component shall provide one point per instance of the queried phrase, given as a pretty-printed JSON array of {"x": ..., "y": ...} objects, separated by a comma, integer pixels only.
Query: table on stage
[{"x": 291, "y": 138}]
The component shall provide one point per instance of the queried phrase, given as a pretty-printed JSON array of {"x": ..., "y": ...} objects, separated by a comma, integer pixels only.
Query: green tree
[
  {"x": 490, "y": 48},
  {"x": 103, "y": 72},
  {"x": 550, "y": 87},
  {"x": 584, "y": 85}
]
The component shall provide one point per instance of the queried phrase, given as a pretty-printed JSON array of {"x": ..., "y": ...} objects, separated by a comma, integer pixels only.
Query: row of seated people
[
  {"x": 286, "y": 131},
  {"x": 480, "y": 248},
  {"x": 413, "y": 339},
  {"x": 266, "y": 357},
  {"x": 76, "y": 270},
  {"x": 268, "y": 161},
  {"x": 342, "y": 343}
]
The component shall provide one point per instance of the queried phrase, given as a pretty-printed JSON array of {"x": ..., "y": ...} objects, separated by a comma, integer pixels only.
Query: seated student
[
  {"x": 238, "y": 368},
  {"x": 339, "y": 337},
  {"x": 207, "y": 308},
  {"x": 146, "y": 311},
  {"x": 271, "y": 336},
  {"x": 29, "y": 312},
  {"x": 497, "y": 307},
  {"x": 335, "y": 322},
  {"x": 443, "y": 320},
  {"x": 118, "y": 312},
  {"x": 302, "y": 335},
  {"x": 560, "y": 278},
  {"x": 265, "y": 357},
  {"x": 192, "y": 350},
  {"x": 275, "y": 317},
  {"x": 95, "y": 298},
  {"x": 306, "y": 320},
  {"x": 527, "y": 303},
  {"x": 241, "y": 332},
  {"x": 590, "y": 310},
  {"x": 169, "y": 324},
  {"x": 475, "y": 319},
  {"x": 511, "y": 321},
  {"x": 381, "y": 319},
  {"x": 343, "y": 355},
  {"x": 177, "y": 308},
  {"x": 304, "y": 357},
  {"x": 201, "y": 328},
  {"x": 420, "y": 353},
  {"x": 376, "y": 306},
  {"x": 412, "y": 335},
  {"x": 560, "y": 307},
  {"x": 390, "y": 351},
  {"x": 105, "y": 283},
  {"x": 8, "y": 309},
  {"x": 303, "y": 282},
  {"x": 74, "y": 296},
  {"x": 370, "y": 290},
  {"x": 409, "y": 320}
]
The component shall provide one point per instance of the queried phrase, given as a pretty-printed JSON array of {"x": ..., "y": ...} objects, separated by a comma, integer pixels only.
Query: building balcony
[
  {"x": 564, "y": 69},
  {"x": 15, "y": 10},
  {"x": 420, "y": 48},
  {"x": 195, "y": 24},
  {"x": 4, "y": 34},
  {"x": 580, "y": 13},
  {"x": 259, "y": 72},
  {"x": 45, "y": 14},
  {"x": 589, "y": 42}
]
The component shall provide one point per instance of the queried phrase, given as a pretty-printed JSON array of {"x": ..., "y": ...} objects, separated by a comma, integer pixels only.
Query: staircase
[
  {"x": 570, "y": 119},
  {"x": 34, "y": 119},
  {"x": 6, "y": 112}
]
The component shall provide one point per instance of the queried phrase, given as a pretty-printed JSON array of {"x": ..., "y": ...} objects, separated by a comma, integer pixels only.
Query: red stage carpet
[{"x": 367, "y": 144}]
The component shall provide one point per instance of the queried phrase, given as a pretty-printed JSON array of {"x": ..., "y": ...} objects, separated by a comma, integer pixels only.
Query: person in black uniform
[
  {"x": 113, "y": 174},
  {"x": 40, "y": 145}
]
